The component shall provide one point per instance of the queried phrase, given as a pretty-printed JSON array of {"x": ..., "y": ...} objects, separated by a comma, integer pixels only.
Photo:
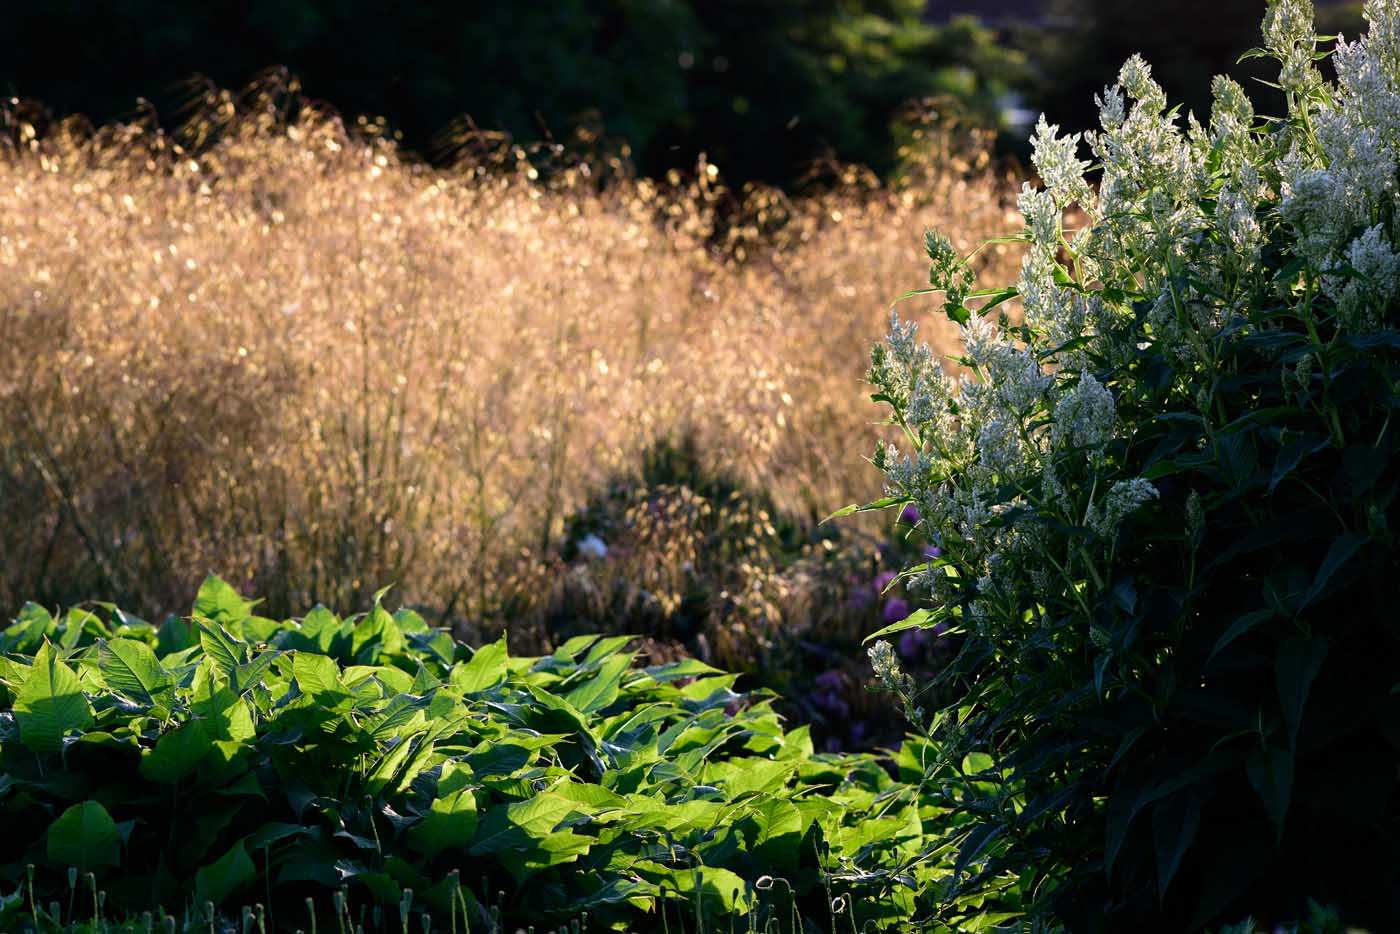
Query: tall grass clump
[
  {"x": 1165, "y": 498},
  {"x": 275, "y": 345}
]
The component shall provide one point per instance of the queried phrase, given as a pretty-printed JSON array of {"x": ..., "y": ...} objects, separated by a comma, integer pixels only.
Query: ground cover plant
[
  {"x": 1165, "y": 504},
  {"x": 372, "y": 764}
]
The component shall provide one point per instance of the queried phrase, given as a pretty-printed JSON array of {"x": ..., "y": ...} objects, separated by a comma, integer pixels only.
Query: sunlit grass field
[{"x": 275, "y": 346}]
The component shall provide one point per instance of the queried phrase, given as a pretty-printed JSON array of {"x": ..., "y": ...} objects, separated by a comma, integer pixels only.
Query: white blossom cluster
[
  {"x": 1345, "y": 176},
  {"x": 1180, "y": 222}
]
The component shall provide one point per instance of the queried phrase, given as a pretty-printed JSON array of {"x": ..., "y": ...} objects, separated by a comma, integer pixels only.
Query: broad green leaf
[
  {"x": 1340, "y": 552},
  {"x": 603, "y": 688},
  {"x": 449, "y": 824},
  {"x": 225, "y": 713},
  {"x": 273, "y": 832},
  {"x": 177, "y": 753},
  {"x": 174, "y": 635},
  {"x": 219, "y": 602},
  {"x": 1296, "y": 665},
  {"x": 749, "y": 775},
  {"x": 975, "y": 844},
  {"x": 486, "y": 669},
  {"x": 221, "y": 647},
  {"x": 77, "y": 622},
  {"x": 249, "y": 675},
  {"x": 779, "y": 826},
  {"x": 131, "y": 668},
  {"x": 50, "y": 704},
  {"x": 556, "y": 849},
  {"x": 402, "y": 715},
  {"x": 1175, "y": 821},
  {"x": 318, "y": 676},
  {"x": 723, "y": 892},
  {"x": 29, "y": 629},
  {"x": 976, "y": 762},
  {"x": 604, "y": 648},
  {"x": 1239, "y": 627},
  {"x": 84, "y": 837},
  {"x": 320, "y": 627},
  {"x": 376, "y": 636},
  {"x": 226, "y": 875},
  {"x": 684, "y": 668},
  {"x": 1271, "y": 773},
  {"x": 522, "y": 823}
]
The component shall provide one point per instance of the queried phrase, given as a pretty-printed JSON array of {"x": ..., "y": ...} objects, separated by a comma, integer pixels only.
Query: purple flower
[
  {"x": 833, "y": 704},
  {"x": 912, "y": 642},
  {"x": 830, "y": 680},
  {"x": 861, "y": 597},
  {"x": 909, "y": 515},
  {"x": 883, "y": 580},
  {"x": 895, "y": 610},
  {"x": 932, "y": 551}
]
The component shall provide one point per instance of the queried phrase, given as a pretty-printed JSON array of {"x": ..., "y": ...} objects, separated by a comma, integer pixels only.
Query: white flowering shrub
[{"x": 1163, "y": 487}]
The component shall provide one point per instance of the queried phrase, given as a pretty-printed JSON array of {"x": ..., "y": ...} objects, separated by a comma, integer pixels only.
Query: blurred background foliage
[
  {"x": 1078, "y": 45},
  {"x": 763, "y": 87}
]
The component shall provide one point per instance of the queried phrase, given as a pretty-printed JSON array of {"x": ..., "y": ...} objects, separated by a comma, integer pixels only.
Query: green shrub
[
  {"x": 232, "y": 759},
  {"x": 1165, "y": 498}
]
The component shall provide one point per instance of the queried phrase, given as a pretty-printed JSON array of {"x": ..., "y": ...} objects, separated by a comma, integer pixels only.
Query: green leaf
[
  {"x": 174, "y": 635},
  {"x": 220, "y": 603},
  {"x": 249, "y": 675},
  {"x": 29, "y": 629},
  {"x": 50, "y": 704},
  {"x": 224, "y": 876},
  {"x": 854, "y": 508},
  {"x": 919, "y": 619},
  {"x": 1341, "y": 551},
  {"x": 778, "y": 832},
  {"x": 1239, "y": 627},
  {"x": 1298, "y": 661},
  {"x": 1174, "y": 825},
  {"x": 318, "y": 676},
  {"x": 520, "y": 824},
  {"x": 177, "y": 753},
  {"x": 131, "y": 668},
  {"x": 486, "y": 669},
  {"x": 974, "y": 844},
  {"x": 375, "y": 636},
  {"x": 726, "y": 892},
  {"x": 603, "y": 688},
  {"x": 226, "y": 652},
  {"x": 84, "y": 837},
  {"x": 1271, "y": 773},
  {"x": 450, "y": 824}
]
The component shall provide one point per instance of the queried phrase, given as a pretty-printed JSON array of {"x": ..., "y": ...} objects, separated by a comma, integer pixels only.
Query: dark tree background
[
  {"x": 1079, "y": 45},
  {"x": 762, "y": 86}
]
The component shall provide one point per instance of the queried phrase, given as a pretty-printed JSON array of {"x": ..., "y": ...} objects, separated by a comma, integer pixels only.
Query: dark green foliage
[
  {"x": 233, "y": 759},
  {"x": 1180, "y": 651},
  {"x": 763, "y": 87},
  {"x": 1248, "y": 717}
]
